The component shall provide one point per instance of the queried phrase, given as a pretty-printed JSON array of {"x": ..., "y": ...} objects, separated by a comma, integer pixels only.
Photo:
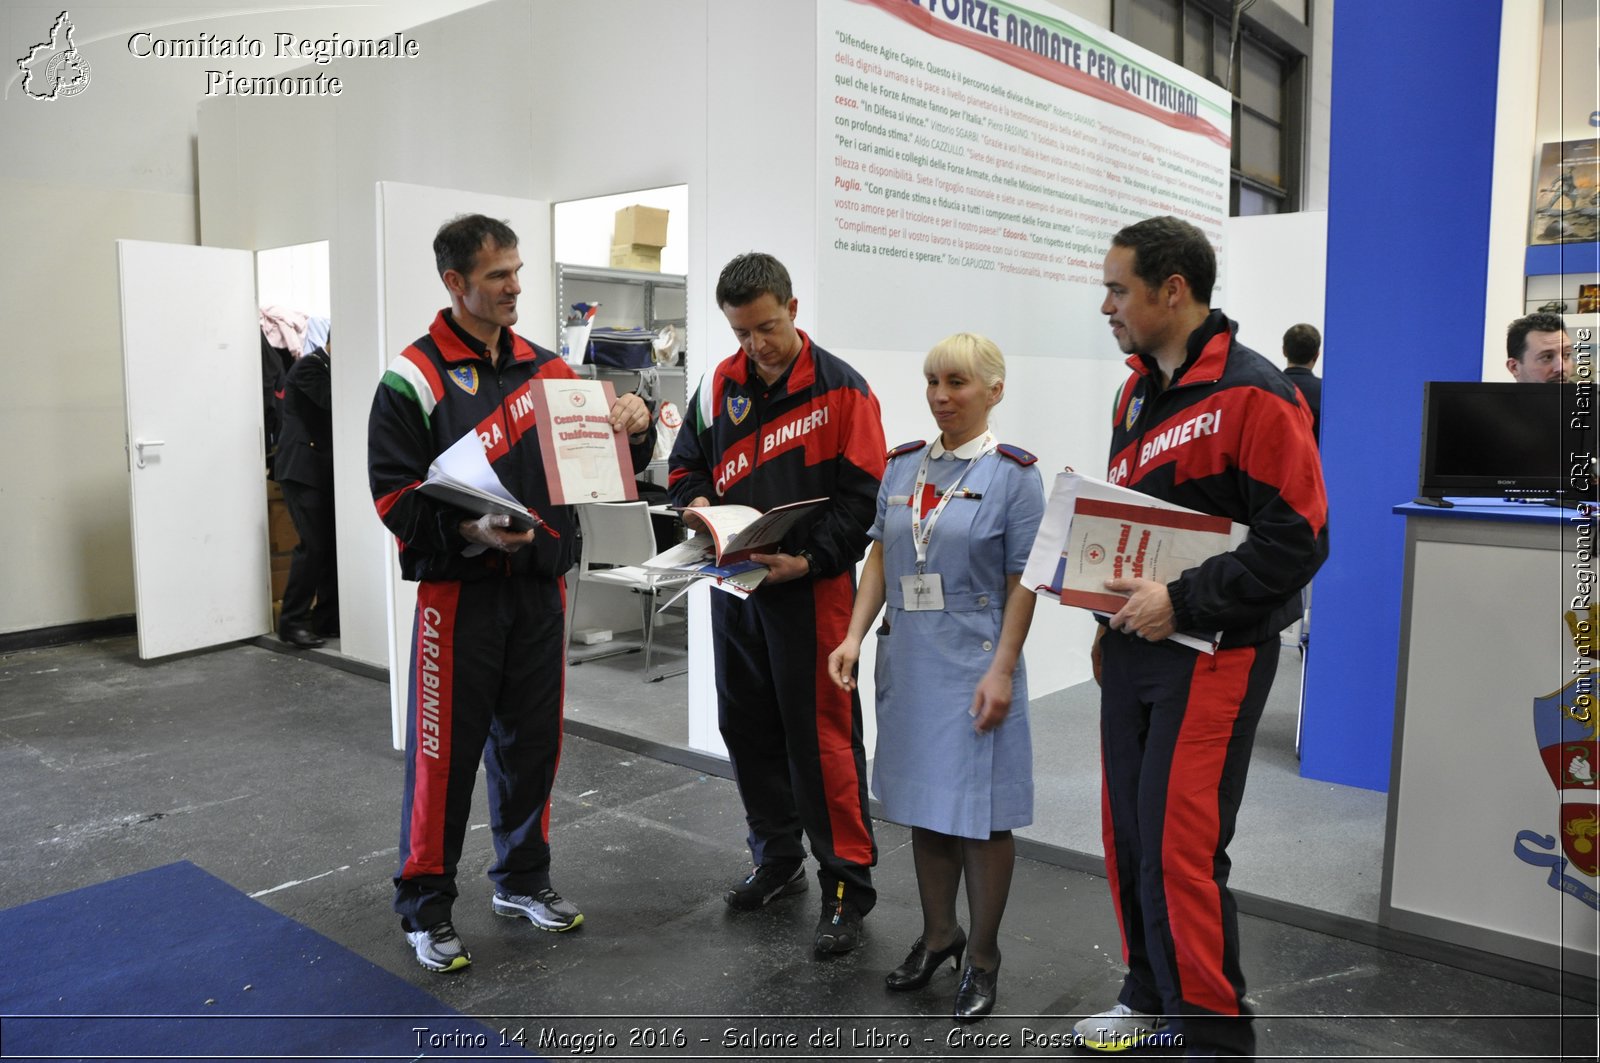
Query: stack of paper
[
  {"x": 463, "y": 477},
  {"x": 1094, "y": 531},
  {"x": 732, "y": 534}
]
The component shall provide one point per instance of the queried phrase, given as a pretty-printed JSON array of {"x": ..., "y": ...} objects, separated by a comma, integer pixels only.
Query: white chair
[{"x": 616, "y": 537}]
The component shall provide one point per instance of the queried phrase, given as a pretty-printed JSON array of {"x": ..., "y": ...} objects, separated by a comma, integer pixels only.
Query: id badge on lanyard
[{"x": 923, "y": 590}]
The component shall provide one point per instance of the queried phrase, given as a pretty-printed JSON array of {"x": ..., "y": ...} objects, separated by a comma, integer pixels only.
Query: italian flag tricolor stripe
[
  {"x": 703, "y": 407},
  {"x": 417, "y": 379}
]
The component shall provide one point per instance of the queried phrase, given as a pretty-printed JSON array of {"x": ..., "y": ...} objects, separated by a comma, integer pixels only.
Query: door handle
[{"x": 140, "y": 444}]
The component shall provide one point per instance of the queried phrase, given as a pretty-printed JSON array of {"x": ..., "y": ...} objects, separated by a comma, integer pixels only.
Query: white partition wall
[
  {"x": 1516, "y": 141},
  {"x": 720, "y": 95},
  {"x": 529, "y": 134},
  {"x": 1276, "y": 277},
  {"x": 650, "y": 122},
  {"x": 404, "y": 123}
]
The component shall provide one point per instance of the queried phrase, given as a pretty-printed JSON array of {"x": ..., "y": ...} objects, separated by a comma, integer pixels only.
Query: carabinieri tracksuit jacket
[
  {"x": 488, "y": 653},
  {"x": 816, "y": 432},
  {"x": 1224, "y": 439}
]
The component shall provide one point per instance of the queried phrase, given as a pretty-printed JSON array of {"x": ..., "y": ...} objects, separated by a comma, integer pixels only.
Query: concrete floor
[
  {"x": 1312, "y": 846},
  {"x": 274, "y": 773}
]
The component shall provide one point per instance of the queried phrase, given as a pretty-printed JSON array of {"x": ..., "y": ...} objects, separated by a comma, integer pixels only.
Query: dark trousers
[
  {"x": 1176, "y": 729},
  {"x": 793, "y": 736},
  {"x": 488, "y": 672},
  {"x": 311, "y": 596}
]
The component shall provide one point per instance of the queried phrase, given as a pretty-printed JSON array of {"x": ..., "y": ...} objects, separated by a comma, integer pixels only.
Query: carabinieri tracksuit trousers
[
  {"x": 488, "y": 664},
  {"x": 1176, "y": 730},
  {"x": 794, "y": 737}
]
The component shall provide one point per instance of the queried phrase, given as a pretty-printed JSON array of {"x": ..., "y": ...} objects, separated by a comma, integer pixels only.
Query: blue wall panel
[{"x": 1408, "y": 233}]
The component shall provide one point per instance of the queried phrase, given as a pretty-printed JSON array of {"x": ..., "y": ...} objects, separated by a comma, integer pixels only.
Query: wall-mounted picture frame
[
  {"x": 1589, "y": 298},
  {"x": 1566, "y": 194}
]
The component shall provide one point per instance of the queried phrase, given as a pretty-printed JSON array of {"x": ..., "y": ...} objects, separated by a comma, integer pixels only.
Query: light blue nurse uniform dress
[{"x": 931, "y": 768}]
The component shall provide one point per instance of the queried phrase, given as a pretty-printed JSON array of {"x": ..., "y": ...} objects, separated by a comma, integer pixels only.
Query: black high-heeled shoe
[
  {"x": 979, "y": 988},
  {"x": 920, "y": 964}
]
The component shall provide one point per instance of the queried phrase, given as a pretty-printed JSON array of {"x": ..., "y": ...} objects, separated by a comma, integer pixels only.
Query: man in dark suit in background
[
  {"x": 1301, "y": 345},
  {"x": 304, "y": 470}
]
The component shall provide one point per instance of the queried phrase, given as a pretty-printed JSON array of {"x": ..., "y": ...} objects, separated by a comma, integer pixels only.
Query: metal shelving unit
[{"x": 630, "y": 298}]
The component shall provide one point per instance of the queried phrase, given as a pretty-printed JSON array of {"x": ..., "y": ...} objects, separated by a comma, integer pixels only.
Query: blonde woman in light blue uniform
[{"x": 954, "y": 761}]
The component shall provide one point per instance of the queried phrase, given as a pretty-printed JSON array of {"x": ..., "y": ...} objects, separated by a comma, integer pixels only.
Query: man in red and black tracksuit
[
  {"x": 784, "y": 421},
  {"x": 488, "y": 658},
  {"x": 1211, "y": 425}
]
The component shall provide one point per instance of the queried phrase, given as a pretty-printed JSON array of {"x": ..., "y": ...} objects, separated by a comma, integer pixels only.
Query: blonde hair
[{"x": 969, "y": 353}]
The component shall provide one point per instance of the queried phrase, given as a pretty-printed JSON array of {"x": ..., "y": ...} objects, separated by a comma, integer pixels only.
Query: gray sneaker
[
  {"x": 438, "y": 948},
  {"x": 1118, "y": 1030},
  {"x": 545, "y": 909}
]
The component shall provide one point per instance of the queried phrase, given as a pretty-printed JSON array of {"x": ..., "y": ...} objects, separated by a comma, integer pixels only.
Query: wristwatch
[{"x": 809, "y": 559}]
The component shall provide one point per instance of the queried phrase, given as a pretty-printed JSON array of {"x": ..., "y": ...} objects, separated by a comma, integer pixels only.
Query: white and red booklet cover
[
  {"x": 1093, "y": 531},
  {"x": 584, "y": 459}
]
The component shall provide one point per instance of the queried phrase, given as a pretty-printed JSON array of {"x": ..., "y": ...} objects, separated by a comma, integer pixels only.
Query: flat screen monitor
[{"x": 1511, "y": 440}]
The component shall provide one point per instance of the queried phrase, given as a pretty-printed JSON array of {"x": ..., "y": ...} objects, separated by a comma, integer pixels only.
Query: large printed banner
[{"x": 975, "y": 159}]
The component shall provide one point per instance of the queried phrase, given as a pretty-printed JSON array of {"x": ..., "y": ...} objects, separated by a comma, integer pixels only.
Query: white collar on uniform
[{"x": 966, "y": 451}]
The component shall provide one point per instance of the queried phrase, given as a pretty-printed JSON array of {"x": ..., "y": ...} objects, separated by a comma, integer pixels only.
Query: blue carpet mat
[{"x": 174, "y": 963}]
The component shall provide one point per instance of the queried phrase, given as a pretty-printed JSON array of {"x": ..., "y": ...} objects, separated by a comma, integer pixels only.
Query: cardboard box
[
  {"x": 636, "y": 256},
  {"x": 281, "y": 535},
  {"x": 641, "y": 225}
]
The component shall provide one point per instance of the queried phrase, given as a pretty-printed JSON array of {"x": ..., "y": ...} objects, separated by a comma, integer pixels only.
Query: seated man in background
[{"x": 1538, "y": 350}]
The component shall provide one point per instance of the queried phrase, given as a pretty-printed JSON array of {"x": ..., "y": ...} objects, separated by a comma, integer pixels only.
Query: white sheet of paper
[
  {"x": 691, "y": 553},
  {"x": 465, "y": 462}
]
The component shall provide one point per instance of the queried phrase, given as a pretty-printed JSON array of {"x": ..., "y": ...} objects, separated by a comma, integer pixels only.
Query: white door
[
  {"x": 191, "y": 360},
  {"x": 410, "y": 293}
]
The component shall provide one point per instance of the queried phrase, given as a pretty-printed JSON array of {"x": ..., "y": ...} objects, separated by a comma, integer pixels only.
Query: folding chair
[{"x": 616, "y": 537}]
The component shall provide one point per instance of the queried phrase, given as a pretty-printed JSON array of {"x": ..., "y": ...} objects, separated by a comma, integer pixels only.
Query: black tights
[{"x": 942, "y": 860}]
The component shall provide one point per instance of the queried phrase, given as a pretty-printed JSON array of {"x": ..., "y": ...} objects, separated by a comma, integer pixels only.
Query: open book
[
  {"x": 1093, "y": 531},
  {"x": 721, "y": 551},
  {"x": 462, "y": 477}
]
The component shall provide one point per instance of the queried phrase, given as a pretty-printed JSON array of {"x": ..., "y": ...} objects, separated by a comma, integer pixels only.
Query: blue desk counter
[{"x": 1496, "y": 509}]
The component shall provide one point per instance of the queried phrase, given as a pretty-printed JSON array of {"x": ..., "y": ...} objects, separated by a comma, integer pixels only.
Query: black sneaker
[
  {"x": 765, "y": 884},
  {"x": 839, "y": 929}
]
